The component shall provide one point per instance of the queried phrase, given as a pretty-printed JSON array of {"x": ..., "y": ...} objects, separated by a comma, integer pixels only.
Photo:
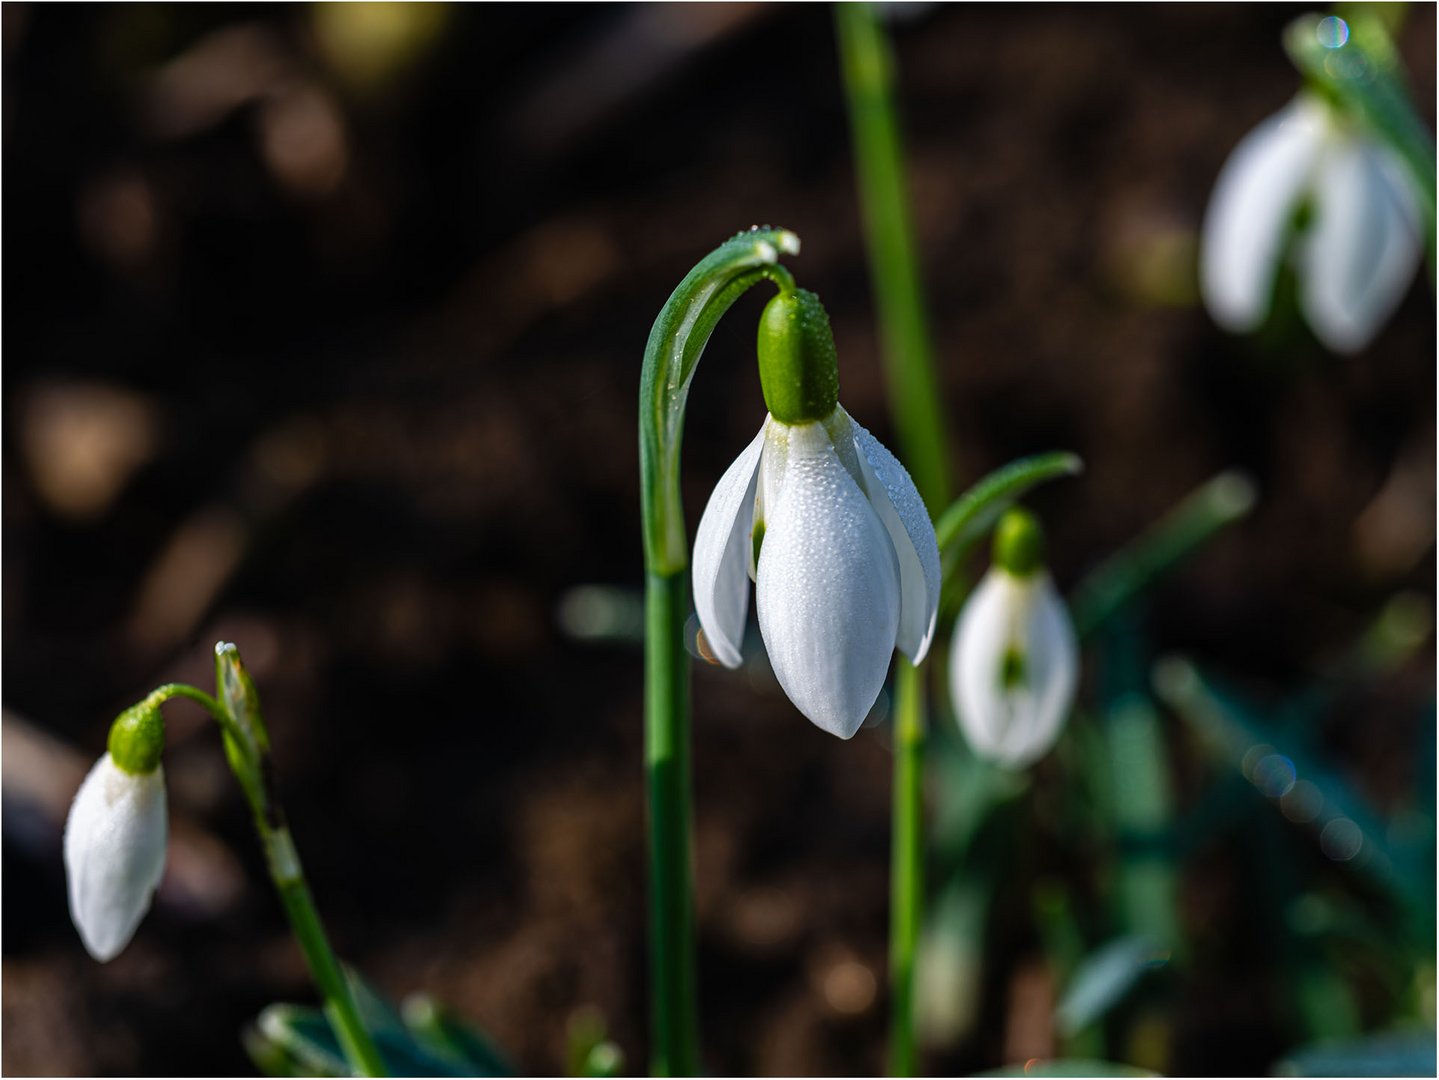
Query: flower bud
[
  {"x": 115, "y": 839},
  {"x": 1014, "y": 661}
]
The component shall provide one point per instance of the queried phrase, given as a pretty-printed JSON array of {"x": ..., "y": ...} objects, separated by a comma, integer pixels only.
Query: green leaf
[
  {"x": 275, "y": 1058},
  {"x": 970, "y": 516},
  {"x": 1103, "y": 978},
  {"x": 303, "y": 1037},
  {"x": 1203, "y": 512},
  {"x": 1347, "y": 828},
  {"x": 441, "y": 1032},
  {"x": 1392, "y": 1054},
  {"x": 1069, "y": 1067}
]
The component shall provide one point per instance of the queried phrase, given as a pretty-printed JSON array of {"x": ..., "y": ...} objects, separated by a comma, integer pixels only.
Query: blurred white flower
[
  {"x": 1360, "y": 242},
  {"x": 1013, "y": 666},
  {"x": 830, "y": 527},
  {"x": 114, "y": 853}
]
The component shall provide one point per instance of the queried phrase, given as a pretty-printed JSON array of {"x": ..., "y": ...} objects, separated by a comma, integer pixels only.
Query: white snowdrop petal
[
  {"x": 115, "y": 840},
  {"x": 902, "y": 512},
  {"x": 1013, "y": 725},
  {"x": 1251, "y": 209},
  {"x": 1364, "y": 246},
  {"x": 976, "y": 656},
  {"x": 721, "y": 559},
  {"x": 827, "y": 588},
  {"x": 1053, "y": 661}
]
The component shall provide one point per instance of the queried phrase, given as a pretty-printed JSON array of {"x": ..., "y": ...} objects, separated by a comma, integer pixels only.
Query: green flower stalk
[
  {"x": 676, "y": 341},
  {"x": 116, "y": 833},
  {"x": 867, "y": 68},
  {"x": 824, "y": 520}
]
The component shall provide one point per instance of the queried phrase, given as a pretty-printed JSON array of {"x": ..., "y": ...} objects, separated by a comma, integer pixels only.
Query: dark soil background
[{"x": 333, "y": 351}]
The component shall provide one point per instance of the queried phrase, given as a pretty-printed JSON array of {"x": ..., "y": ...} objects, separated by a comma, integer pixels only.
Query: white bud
[
  {"x": 114, "y": 854},
  {"x": 1013, "y": 667}
]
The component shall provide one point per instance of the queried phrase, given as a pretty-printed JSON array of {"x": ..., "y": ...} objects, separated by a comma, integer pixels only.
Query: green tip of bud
[
  {"x": 137, "y": 739},
  {"x": 798, "y": 368},
  {"x": 1019, "y": 543}
]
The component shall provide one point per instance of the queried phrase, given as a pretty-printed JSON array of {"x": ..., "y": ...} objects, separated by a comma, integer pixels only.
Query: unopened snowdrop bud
[
  {"x": 1310, "y": 186},
  {"x": 828, "y": 525},
  {"x": 1014, "y": 661},
  {"x": 116, "y": 833}
]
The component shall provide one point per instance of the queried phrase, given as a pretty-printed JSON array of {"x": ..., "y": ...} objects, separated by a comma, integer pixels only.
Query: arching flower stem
[
  {"x": 672, "y": 353},
  {"x": 247, "y": 747}
]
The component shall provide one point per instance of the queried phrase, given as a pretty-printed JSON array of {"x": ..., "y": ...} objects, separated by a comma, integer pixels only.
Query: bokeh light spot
[
  {"x": 1332, "y": 32},
  {"x": 1341, "y": 839},
  {"x": 1274, "y": 775}
]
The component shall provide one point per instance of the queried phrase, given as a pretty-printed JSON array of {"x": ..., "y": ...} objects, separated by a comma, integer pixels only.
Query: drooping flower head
[
  {"x": 830, "y": 528},
  {"x": 116, "y": 833},
  {"x": 1013, "y": 663},
  {"x": 1310, "y": 184}
]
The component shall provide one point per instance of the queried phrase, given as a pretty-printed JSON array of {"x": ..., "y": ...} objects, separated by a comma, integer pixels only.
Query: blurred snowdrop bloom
[
  {"x": 828, "y": 525},
  {"x": 1014, "y": 661},
  {"x": 115, "y": 838},
  {"x": 1358, "y": 241}
]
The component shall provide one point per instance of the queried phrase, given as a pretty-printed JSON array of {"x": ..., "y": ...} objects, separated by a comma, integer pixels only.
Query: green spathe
[
  {"x": 1019, "y": 543},
  {"x": 137, "y": 738},
  {"x": 798, "y": 369}
]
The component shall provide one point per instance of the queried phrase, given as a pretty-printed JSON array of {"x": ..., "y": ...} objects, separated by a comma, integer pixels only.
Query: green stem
[
  {"x": 923, "y": 443},
  {"x": 667, "y": 769},
  {"x": 248, "y": 752},
  {"x": 672, "y": 353},
  {"x": 340, "y": 1007},
  {"x": 906, "y": 866},
  {"x": 893, "y": 263}
]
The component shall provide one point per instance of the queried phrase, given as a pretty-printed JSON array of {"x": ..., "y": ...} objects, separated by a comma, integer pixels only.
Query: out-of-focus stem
[
  {"x": 893, "y": 265},
  {"x": 906, "y": 866},
  {"x": 920, "y": 430}
]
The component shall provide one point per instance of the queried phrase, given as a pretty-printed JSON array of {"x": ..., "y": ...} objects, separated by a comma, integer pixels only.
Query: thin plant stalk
[
  {"x": 893, "y": 262},
  {"x": 667, "y": 775},
  {"x": 915, "y": 404},
  {"x": 672, "y": 353},
  {"x": 907, "y": 866},
  {"x": 248, "y": 749}
]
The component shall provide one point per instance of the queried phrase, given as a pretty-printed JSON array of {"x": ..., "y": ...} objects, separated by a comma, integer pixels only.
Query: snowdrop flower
[
  {"x": 115, "y": 835},
  {"x": 830, "y": 528},
  {"x": 1359, "y": 244},
  {"x": 1013, "y": 662}
]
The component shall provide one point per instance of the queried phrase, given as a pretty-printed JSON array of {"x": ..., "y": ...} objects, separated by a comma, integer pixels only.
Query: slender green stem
[
  {"x": 894, "y": 265},
  {"x": 672, "y": 353},
  {"x": 236, "y": 710},
  {"x": 919, "y": 422},
  {"x": 906, "y": 866},
  {"x": 340, "y": 1008},
  {"x": 667, "y": 767}
]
